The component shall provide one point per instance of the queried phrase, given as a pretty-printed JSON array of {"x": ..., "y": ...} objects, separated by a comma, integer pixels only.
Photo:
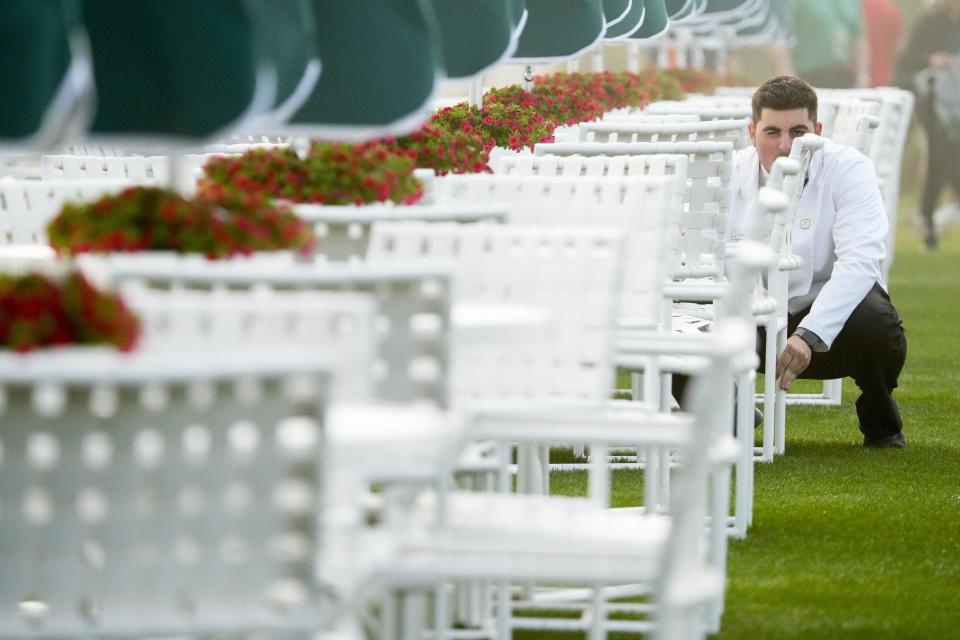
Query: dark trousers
[
  {"x": 942, "y": 167},
  {"x": 871, "y": 349}
]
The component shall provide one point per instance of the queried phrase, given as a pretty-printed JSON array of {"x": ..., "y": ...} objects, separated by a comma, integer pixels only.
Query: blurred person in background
[
  {"x": 884, "y": 38},
  {"x": 930, "y": 68},
  {"x": 830, "y": 48}
]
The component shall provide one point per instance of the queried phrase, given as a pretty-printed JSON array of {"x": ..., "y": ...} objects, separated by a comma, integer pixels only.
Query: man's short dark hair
[{"x": 784, "y": 93}]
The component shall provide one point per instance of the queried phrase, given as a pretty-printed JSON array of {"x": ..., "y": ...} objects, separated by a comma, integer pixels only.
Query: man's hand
[{"x": 793, "y": 361}]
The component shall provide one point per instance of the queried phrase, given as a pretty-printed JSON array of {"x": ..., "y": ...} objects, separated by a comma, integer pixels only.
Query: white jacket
[{"x": 839, "y": 230}]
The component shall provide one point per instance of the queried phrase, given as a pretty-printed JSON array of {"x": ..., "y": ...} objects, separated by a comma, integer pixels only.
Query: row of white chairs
[
  {"x": 182, "y": 272},
  {"x": 495, "y": 552}
]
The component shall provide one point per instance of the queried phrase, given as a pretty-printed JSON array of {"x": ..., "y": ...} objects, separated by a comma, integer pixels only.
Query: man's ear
[
  {"x": 752, "y": 130},
  {"x": 817, "y": 128}
]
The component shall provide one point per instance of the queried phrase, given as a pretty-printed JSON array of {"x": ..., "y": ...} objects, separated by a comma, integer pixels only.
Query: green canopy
[
  {"x": 475, "y": 35},
  {"x": 518, "y": 12},
  {"x": 177, "y": 69},
  {"x": 518, "y": 18},
  {"x": 615, "y": 11},
  {"x": 683, "y": 10},
  {"x": 559, "y": 30},
  {"x": 287, "y": 27},
  {"x": 723, "y": 7},
  {"x": 46, "y": 72},
  {"x": 630, "y": 24},
  {"x": 380, "y": 63},
  {"x": 655, "y": 20}
]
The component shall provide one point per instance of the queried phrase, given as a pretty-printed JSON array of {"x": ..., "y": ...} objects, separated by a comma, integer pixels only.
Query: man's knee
[{"x": 875, "y": 331}]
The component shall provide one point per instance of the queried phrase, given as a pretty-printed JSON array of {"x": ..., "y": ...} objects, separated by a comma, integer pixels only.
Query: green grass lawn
[{"x": 854, "y": 543}]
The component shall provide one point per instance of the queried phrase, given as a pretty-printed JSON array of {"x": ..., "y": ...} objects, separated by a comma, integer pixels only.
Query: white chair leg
[
  {"x": 833, "y": 391},
  {"x": 769, "y": 393},
  {"x": 664, "y": 479},
  {"x": 529, "y": 474},
  {"x": 504, "y": 611},
  {"x": 743, "y": 505},
  {"x": 637, "y": 385},
  {"x": 441, "y": 612},
  {"x": 720, "y": 496},
  {"x": 651, "y": 484},
  {"x": 388, "y": 615},
  {"x": 780, "y": 412},
  {"x": 598, "y": 627}
]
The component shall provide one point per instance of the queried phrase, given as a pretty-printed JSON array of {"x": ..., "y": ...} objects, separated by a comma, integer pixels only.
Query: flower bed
[
  {"x": 497, "y": 124},
  {"x": 445, "y": 150},
  {"x": 611, "y": 89},
  {"x": 37, "y": 311},
  {"x": 331, "y": 173},
  {"x": 151, "y": 219}
]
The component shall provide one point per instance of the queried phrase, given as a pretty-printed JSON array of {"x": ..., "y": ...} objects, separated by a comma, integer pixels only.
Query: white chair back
[
  {"x": 571, "y": 274},
  {"x": 339, "y": 325},
  {"x": 703, "y": 225},
  {"x": 409, "y": 350},
  {"x": 620, "y": 115},
  {"x": 27, "y": 206},
  {"x": 343, "y": 232},
  {"x": 734, "y": 131},
  {"x": 704, "y": 109},
  {"x": 854, "y": 123},
  {"x": 153, "y": 170},
  {"x": 156, "y": 494},
  {"x": 887, "y": 147},
  {"x": 638, "y": 205}
]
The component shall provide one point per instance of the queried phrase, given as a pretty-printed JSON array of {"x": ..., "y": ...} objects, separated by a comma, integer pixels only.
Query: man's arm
[{"x": 859, "y": 237}]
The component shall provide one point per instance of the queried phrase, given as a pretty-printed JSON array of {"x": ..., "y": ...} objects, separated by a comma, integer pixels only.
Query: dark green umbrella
[
  {"x": 380, "y": 64},
  {"x": 177, "y": 71},
  {"x": 728, "y": 13},
  {"x": 560, "y": 29},
  {"x": 46, "y": 72},
  {"x": 681, "y": 10},
  {"x": 475, "y": 35},
  {"x": 718, "y": 8},
  {"x": 614, "y": 11},
  {"x": 291, "y": 40},
  {"x": 518, "y": 15},
  {"x": 630, "y": 24},
  {"x": 655, "y": 20}
]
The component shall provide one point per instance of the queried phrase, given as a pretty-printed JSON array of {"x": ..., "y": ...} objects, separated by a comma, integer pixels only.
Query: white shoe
[{"x": 946, "y": 215}]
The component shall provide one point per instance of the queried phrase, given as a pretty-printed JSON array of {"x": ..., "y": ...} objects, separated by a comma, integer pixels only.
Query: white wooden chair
[
  {"x": 787, "y": 176},
  {"x": 854, "y": 125},
  {"x": 160, "y": 494},
  {"x": 886, "y": 148},
  {"x": 27, "y": 206},
  {"x": 535, "y": 414},
  {"x": 553, "y": 208},
  {"x": 510, "y": 539}
]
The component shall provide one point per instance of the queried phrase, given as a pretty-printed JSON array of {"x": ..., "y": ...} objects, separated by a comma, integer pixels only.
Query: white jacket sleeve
[{"x": 859, "y": 235}]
